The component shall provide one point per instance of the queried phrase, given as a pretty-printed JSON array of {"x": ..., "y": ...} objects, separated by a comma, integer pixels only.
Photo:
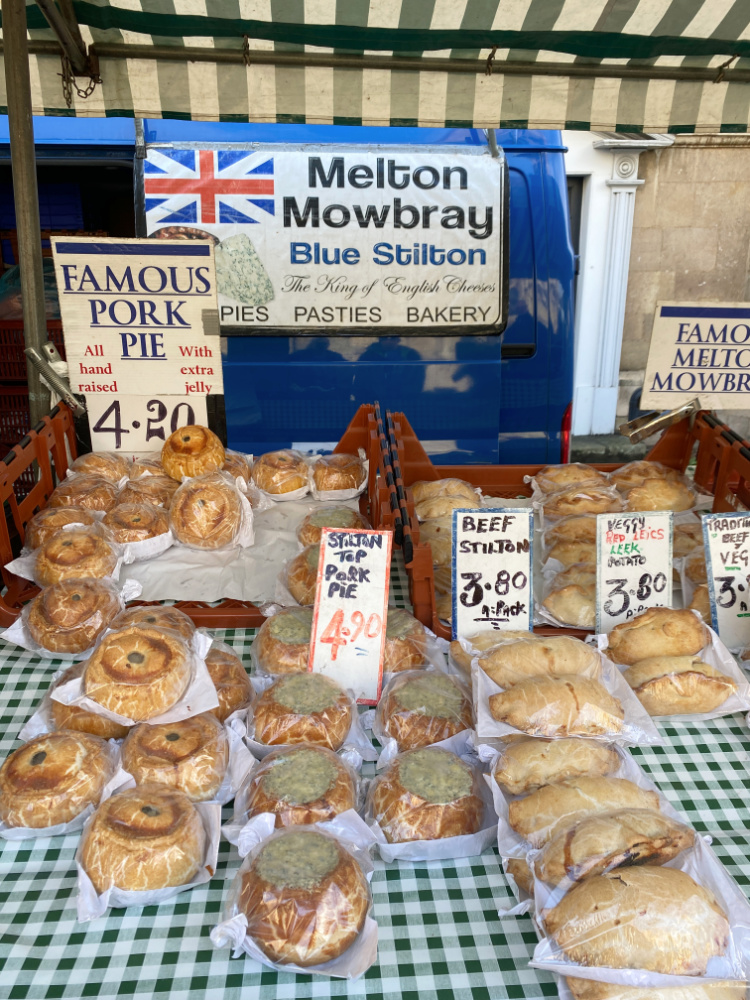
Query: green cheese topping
[
  {"x": 297, "y": 860},
  {"x": 337, "y": 517},
  {"x": 303, "y": 776},
  {"x": 312, "y": 555},
  {"x": 306, "y": 693},
  {"x": 292, "y": 627},
  {"x": 433, "y": 694},
  {"x": 435, "y": 775},
  {"x": 399, "y": 623}
]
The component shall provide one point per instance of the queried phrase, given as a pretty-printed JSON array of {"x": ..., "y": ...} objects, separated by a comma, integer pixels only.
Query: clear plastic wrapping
[
  {"x": 554, "y": 478},
  {"x": 527, "y": 764},
  {"x": 656, "y": 632},
  {"x": 107, "y": 464},
  {"x": 68, "y": 617},
  {"x": 573, "y": 988},
  {"x": 157, "y": 616},
  {"x": 421, "y": 707},
  {"x": 46, "y": 522},
  {"x": 437, "y": 498},
  {"x": 94, "y": 493},
  {"x": 584, "y": 499},
  {"x": 300, "y": 576},
  {"x": 462, "y": 651},
  {"x": 338, "y": 476},
  {"x": 147, "y": 465},
  {"x": 661, "y": 494},
  {"x": 569, "y": 595},
  {"x": 687, "y": 536},
  {"x": 136, "y": 522},
  {"x": 511, "y": 661},
  {"x": 73, "y": 553},
  {"x": 701, "y": 602},
  {"x": 155, "y": 489},
  {"x": 51, "y": 715},
  {"x": 309, "y": 530},
  {"x": 302, "y": 708},
  {"x": 192, "y": 451},
  {"x": 406, "y": 642},
  {"x": 231, "y": 680},
  {"x": 636, "y": 473},
  {"x": 300, "y": 901},
  {"x": 437, "y": 533},
  {"x": 210, "y": 512},
  {"x": 237, "y": 465},
  {"x": 282, "y": 643},
  {"x": 283, "y": 475}
]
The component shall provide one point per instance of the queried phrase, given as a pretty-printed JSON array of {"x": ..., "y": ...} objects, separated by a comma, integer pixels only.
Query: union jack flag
[{"x": 207, "y": 186}]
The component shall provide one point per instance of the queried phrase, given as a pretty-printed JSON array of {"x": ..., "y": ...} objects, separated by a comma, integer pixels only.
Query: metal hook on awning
[
  {"x": 723, "y": 68},
  {"x": 490, "y": 61}
]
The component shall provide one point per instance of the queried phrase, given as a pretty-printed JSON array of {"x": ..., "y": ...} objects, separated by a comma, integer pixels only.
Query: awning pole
[{"x": 25, "y": 194}]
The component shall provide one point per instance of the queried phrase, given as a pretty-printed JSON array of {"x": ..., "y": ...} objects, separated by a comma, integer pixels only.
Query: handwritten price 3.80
[
  {"x": 337, "y": 634},
  {"x": 473, "y": 591}
]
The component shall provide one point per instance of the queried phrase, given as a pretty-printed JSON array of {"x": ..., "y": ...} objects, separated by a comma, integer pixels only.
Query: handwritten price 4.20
[{"x": 338, "y": 634}]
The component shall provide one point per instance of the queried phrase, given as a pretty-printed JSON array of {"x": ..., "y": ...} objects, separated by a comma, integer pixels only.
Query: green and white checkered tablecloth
[{"x": 440, "y": 937}]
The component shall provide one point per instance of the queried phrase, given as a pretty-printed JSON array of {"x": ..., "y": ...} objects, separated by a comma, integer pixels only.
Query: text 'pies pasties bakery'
[{"x": 381, "y": 238}]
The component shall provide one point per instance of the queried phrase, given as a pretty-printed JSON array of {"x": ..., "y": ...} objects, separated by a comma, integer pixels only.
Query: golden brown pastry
[
  {"x": 279, "y": 472},
  {"x": 75, "y": 555},
  {"x": 148, "y": 465},
  {"x": 135, "y": 522},
  {"x": 572, "y": 529},
  {"x": 338, "y": 472},
  {"x": 159, "y": 616},
  {"x": 426, "y": 794},
  {"x": 206, "y": 512},
  {"x": 586, "y": 499},
  {"x": 87, "y": 492},
  {"x": 528, "y": 764},
  {"x": 695, "y": 567},
  {"x": 438, "y": 534},
  {"x": 303, "y": 708},
  {"x": 678, "y": 685},
  {"x": 443, "y": 580},
  {"x": 481, "y": 642},
  {"x": 233, "y": 687},
  {"x": 519, "y": 871},
  {"x": 78, "y": 719},
  {"x": 569, "y": 553},
  {"x": 581, "y": 574},
  {"x": 405, "y": 642},
  {"x": 538, "y": 656},
  {"x": 442, "y": 505},
  {"x": 69, "y": 616},
  {"x": 302, "y": 575},
  {"x": 138, "y": 672},
  {"x": 688, "y": 535},
  {"x": 301, "y": 785},
  {"x": 559, "y": 706},
  {"x": 574, "y": 604},
  {"x": 148, "y": 837},
  {"x": 701, "y": 602},
  {"x": 660, "y": 494},
  {"x": 657, "y": 632},
  {"x": 309, "y": 531},
  {"x": 282, "y": 645},
  {"x": 236, "y": 464},
  {"x": 539, "y": 816},
  {"x": 156, "y": 490},
  {"x": 47, "y": 522},
  {"x": 553, "y": 478},
  {"x": 605, "y": 841},
  {"x": 53, "y": 778},
  {"x": 590, "y": 989},
  {"x": 430, "y": 489},
  {"x": 192, "y": 451},
  {"x": 191, "y": 755},
  {"x": 636, "y": 473},
  {"x": 418, "y": 708},
  {"x": 107, "y": 464},
  {"x": 657, "y": 919},
  {"x": 305, "y": 898}
]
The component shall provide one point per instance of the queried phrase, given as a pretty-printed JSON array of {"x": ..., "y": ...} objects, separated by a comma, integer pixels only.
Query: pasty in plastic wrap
[
  {"x": 481, "y": 642},
  {"x": 701, "y": 602},
  {"x": 695, "y": 567},
  {"x": 660, "y": 494},
  {"x": 428, "y": 489},
  {"x": 540, "y": 656},
  {"x": 553, "y": 478},
  {"x": 678, "y": 685},
  {"x": 688, "y": 535},
  {"x": 590, "y": 989},
  {"x": 528, "y": 764},
  {"x": 559, "y": 706},
  {"x": 584, "y": 499},
  {"x": 569, "y": 553},
  {"x": 636, "y": 473},
  {"x": 438, "y": 534},
  {"x": 657, "y": 632},
  {"x": 574, "y": 604},
  {"x": 572, "y": 529},
  {"x": 192, "y": 451},
  {"x": 658, "y": 919},
  {"x": 519, "y": 871}
]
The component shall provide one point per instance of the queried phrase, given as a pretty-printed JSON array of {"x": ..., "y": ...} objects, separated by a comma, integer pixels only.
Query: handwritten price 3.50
[{"x": 338, "y": 634}]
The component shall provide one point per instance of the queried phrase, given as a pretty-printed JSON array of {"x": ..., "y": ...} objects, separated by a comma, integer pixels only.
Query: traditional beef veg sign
[
  {"x": 727, "y": 544},
  {"x": 381, "y": 238}
]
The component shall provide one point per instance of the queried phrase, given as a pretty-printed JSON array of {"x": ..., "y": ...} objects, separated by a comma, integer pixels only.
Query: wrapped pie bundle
[
  {"x": 437, "y": 498},
  {"x": 480, "y": 643},
  {"x": 636, "y": 473},
  {"x": 602, "y": 842},
  {"x": 280, "y": 472},
  {"x": 426, "y": 794},
  {"x": 309, "y": 531},
  {"x": 540, "y": 815},
  {"x": 568, "y": 705},
  {"x": 302, "y": 575},
  {"x": 231, "y": 680},
  {"x": 695, "y": 567},
  {"x": 576, "y": 528},
  {"x": 78, "y": 719},
  {"x": 138, "y": 672},
  {"x": 89, "y": 492},
  {"x": 192, "y": 451},
  {"x": 338, "y": 472},
  {"x": 107, "y": 464},
  {"x": 143, "y": 838},
  {"x": 299, "y": 785},
  {"x": 405, "y": 642},
  {"x": 303, "y": 708},
  {"x": 438, "y": 534},
  {"x": 282, "y": 645},
  {"x": 48, "y": 521},
  {"x": 237, "y": 465},
  {"x": 657, "y": 632},
  {"x": 69, "y": 616},
  {"x": 701, "y": 602},
  {"x": 419, "y": 707},
  {"x": 207, "y": 512},
  {"x": 584, "y": 499},
  {"x": 657, "y": 919},
  {"x": 51, "y": 779},
  {"x": 660, "y": 494},
  {"x": 528, "y": 764},
  {"x": 159, "y": 616},
  {"x": 687, "y": 536},
  {"x": 76, "y": 554},
  {"x": 304, "y": 895},
  {"x": 191, "y": 755},
  {"x": 571, "y": 552},
  {"x": 147, "y": 465},
  {"x": 158, "y": 490},
  {"x": 509, "y": 663},
  {"x": 553, "y": 478},
  {"x": 678, "y": 685},
  {"x": 572, "y": 604},
  {"x": 581, "y": 574},
  {"x": 590, "y": 989},
  {"x": 135, "y": 522}
]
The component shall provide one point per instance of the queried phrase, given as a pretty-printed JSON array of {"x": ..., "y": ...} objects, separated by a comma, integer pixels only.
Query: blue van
[{"x": 475, "y": 399}]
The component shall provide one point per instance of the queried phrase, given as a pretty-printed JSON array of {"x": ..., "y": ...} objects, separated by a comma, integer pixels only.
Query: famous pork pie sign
[{"x": 364, "y": 239}]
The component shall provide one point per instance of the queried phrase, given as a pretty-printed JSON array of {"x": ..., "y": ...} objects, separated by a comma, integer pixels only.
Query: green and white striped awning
[{"x": 611, "y": 65}]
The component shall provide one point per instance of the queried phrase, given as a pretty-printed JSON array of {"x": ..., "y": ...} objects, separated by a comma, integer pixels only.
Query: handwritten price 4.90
[{"x": 337, "y": 634}]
